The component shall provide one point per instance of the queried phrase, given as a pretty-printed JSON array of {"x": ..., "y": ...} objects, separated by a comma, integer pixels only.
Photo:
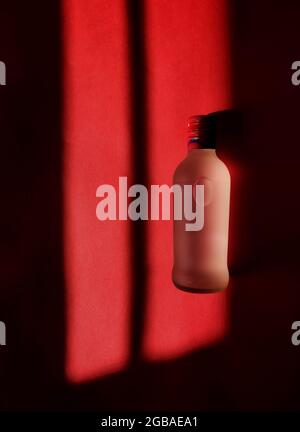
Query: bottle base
[{"x": 205, "y": 285}]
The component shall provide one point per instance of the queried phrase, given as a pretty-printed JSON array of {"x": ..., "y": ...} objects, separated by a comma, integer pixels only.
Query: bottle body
[{"x": 200, "y": 257}]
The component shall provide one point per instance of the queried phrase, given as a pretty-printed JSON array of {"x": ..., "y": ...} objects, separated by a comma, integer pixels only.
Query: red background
[{"x": 98, "y": 90}]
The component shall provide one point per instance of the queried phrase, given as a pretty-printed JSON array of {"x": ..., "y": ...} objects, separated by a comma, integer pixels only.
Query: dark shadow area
[
  {"x": 262, "y": 368},
  {"x": 32, "y": 286}
]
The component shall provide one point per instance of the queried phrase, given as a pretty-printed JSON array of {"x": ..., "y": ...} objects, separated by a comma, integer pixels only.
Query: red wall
[{"x": 187, "y": 58}]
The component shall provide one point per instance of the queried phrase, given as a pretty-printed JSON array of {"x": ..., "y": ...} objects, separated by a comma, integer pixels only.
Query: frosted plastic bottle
[{"x": 200, "y": 257}]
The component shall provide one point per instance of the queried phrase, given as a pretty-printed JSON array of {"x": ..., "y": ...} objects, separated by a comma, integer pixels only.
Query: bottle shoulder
[{"x": 200, "y": 164}]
